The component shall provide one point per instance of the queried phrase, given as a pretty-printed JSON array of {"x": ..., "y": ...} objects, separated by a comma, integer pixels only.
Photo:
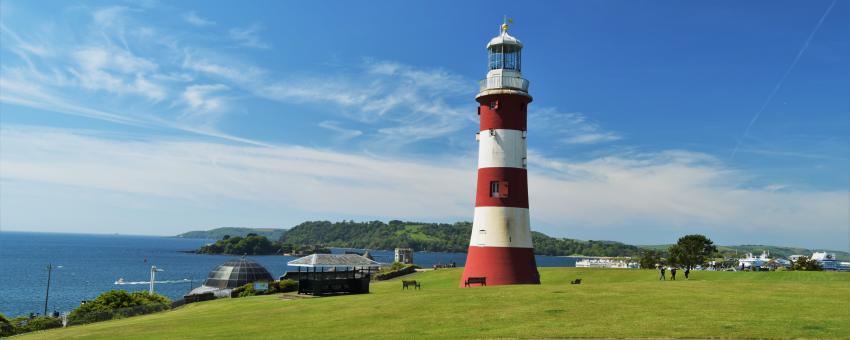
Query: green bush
[
  {"x": 6, "y": 327},
  {"x": 287, "y": 286},
  {"x": 25, "y": 324},
  {"x": 243, "y": 291},
  {"x": 394, "y": 270},
  {"x": 282, "y": 286},
  {"x": 118, "y": 304}
]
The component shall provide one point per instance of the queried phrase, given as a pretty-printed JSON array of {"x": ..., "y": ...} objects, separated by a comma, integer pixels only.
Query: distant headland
[{"x": 445, "y": 237}]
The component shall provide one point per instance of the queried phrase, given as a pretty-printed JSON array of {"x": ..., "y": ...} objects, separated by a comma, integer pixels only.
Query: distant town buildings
[
  {"x": 404, "y": 255},
  {"x": 827, "y": 261},
  {"x": 607, "y": 262}
]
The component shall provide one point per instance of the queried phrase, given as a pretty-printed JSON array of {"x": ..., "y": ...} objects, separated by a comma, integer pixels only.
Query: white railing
[{"x": 503, "y": 83}]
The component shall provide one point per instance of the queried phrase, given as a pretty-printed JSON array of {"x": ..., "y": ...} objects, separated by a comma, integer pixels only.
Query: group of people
[{"x": 673, "y": 271}]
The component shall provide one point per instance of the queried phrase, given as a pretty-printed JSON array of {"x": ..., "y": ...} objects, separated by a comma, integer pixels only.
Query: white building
[
  {"x": 606, "y": 262},
  {"x": 763, "y": 261}
]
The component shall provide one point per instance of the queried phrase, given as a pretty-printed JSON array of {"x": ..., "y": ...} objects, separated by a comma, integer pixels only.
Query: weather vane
[{"x": 505, "y": 22}]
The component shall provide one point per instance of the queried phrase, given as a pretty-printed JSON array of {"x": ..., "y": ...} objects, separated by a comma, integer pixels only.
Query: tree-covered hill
[
  {"x": 380, "y": 235},
  {"x": 219, "y": 233},
  {"x": 432, "y": 237}
]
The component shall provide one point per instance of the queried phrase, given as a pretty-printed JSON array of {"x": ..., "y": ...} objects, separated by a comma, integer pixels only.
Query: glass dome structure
[{"x": 237, "y": 272}]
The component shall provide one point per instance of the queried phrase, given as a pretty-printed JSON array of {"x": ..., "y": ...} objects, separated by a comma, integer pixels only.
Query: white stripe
[
  {"x": 501, "y": 227},
  {"x": 501, "y": 148}
]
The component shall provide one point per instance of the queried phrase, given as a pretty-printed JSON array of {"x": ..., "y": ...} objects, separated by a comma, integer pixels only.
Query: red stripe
[
  {"x": 517, "y": 187},
  {"x": 501, "y": 265},
  {"x": 510, "y": 113}
]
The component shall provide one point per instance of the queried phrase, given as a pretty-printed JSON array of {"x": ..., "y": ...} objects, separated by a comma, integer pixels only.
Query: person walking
[
  {"x": 673, "y": 273},
  {"x": 663, "y": 269},
  {"x": 687, "y": 272}
]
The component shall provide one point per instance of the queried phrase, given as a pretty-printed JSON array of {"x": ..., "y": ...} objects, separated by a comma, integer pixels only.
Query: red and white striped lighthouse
[{"x": 500, "y": 248}]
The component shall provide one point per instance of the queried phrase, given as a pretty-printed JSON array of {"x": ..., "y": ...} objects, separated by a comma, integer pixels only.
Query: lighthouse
[{"x": 500, "y": 248}]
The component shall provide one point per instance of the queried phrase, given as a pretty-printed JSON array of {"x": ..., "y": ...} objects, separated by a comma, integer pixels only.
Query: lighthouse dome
[{"x": 504, "y": 39}]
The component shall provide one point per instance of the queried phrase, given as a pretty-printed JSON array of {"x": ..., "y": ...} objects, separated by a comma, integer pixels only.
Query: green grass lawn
[{"x": 609, "y": 303}]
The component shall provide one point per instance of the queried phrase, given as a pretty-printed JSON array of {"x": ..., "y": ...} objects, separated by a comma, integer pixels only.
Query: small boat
[{"x": 120, "y": 281}]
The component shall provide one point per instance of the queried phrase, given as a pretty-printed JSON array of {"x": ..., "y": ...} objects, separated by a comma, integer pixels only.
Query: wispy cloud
[
  {"x": 200, "y": 97},
  {"x": 115, "y": 70},
  {"x": 569, "y": 127},
  {"x": 194, "y": 19},
  {"x": 591, "y": 138},
  {"x": 417, "y": 104},
  {"x": 342, "y": 133},
  {"x": 674, "y": 191},
  {"x": 244, "y": 75},
  {"x": 248, "y": 37}
]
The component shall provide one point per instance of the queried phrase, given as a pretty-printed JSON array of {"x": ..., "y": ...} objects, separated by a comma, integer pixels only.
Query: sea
[{"x": 86, "y": 265}]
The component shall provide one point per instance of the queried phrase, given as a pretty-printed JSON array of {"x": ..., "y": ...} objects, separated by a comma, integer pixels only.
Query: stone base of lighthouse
[{"x": 501, "y": 265}]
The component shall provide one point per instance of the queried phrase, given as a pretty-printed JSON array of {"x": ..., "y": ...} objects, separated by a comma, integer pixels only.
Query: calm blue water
[{"x": 92, "y": 263}]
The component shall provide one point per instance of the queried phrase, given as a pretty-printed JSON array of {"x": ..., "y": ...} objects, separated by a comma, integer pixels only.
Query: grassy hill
[
  {"x": 609, "y": 303},
  {"x": 218, "y": 233}
]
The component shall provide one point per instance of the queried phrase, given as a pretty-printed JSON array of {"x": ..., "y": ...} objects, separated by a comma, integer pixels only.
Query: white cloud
[
  {"x": 246, "y": 76},
  {"x": 109, "y": 16},
  {"x": 412, "y": 104},
  {"x": 342, "y": 133},
  {"x": 194, "y": 19},
  {"x": 632, "y": 198},
  {"x": 199, "y": 97},
  {"x": 27, "y": 46},
  {"x": 569, "y": 127},
  {"x": 591, "y": 138},
  {"x": 115, "y": 70},
  {"x": 248, "y": 37}
]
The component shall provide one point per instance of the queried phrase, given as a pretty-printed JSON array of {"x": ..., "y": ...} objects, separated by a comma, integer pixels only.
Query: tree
[
  {"x": 806, "y": 264},
  {"x": 692, "y": 250},
  {"x": 650, "y": 258}
]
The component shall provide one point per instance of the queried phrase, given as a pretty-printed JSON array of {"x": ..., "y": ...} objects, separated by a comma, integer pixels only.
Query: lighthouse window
[
  {"x": 511, "y": 61},
  {"x": 494, "y": 188},
  {"x": 499, "y": 189},
  {"x": 495, "y": 59}
]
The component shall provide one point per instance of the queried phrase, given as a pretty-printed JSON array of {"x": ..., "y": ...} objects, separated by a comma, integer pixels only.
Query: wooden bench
[
  {"x": 405, "y": 284},
  {"x": 473, "y": 280},
  {"x": 575, "y": 282}
]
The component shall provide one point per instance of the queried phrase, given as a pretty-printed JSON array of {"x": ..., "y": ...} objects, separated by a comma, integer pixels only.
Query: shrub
[
  {"x": 287, "y": 286},
  {"x": 243, "y": 291},
  {"x": 6, "y": 327},
  {"x": 395, "y": 270},
  {"x": 282, "y": 286},
  {"x": 117, "y": 304},
  {"x": 24, "y": 324}
]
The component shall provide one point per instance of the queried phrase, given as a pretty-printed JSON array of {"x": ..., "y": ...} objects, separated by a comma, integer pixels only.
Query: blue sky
[{"x": 650, "y": 120}]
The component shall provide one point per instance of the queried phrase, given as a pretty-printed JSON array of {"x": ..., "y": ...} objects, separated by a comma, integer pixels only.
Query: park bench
[
  {"x": 473, "y": 280},
  {"x": 405, "y": 284},
  {"x": 575, "y": 282}
]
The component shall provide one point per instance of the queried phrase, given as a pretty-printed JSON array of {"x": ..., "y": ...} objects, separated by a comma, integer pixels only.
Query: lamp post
[
  {"x": 154, "y": 269},
  {"x": 47, "y": 292}
]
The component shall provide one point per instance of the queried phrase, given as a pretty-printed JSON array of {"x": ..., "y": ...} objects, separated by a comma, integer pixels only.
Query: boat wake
[{"x": 122, "y": 282}]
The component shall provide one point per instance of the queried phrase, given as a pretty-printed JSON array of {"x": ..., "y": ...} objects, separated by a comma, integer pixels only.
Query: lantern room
[{"x": 504, "y": 52}]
